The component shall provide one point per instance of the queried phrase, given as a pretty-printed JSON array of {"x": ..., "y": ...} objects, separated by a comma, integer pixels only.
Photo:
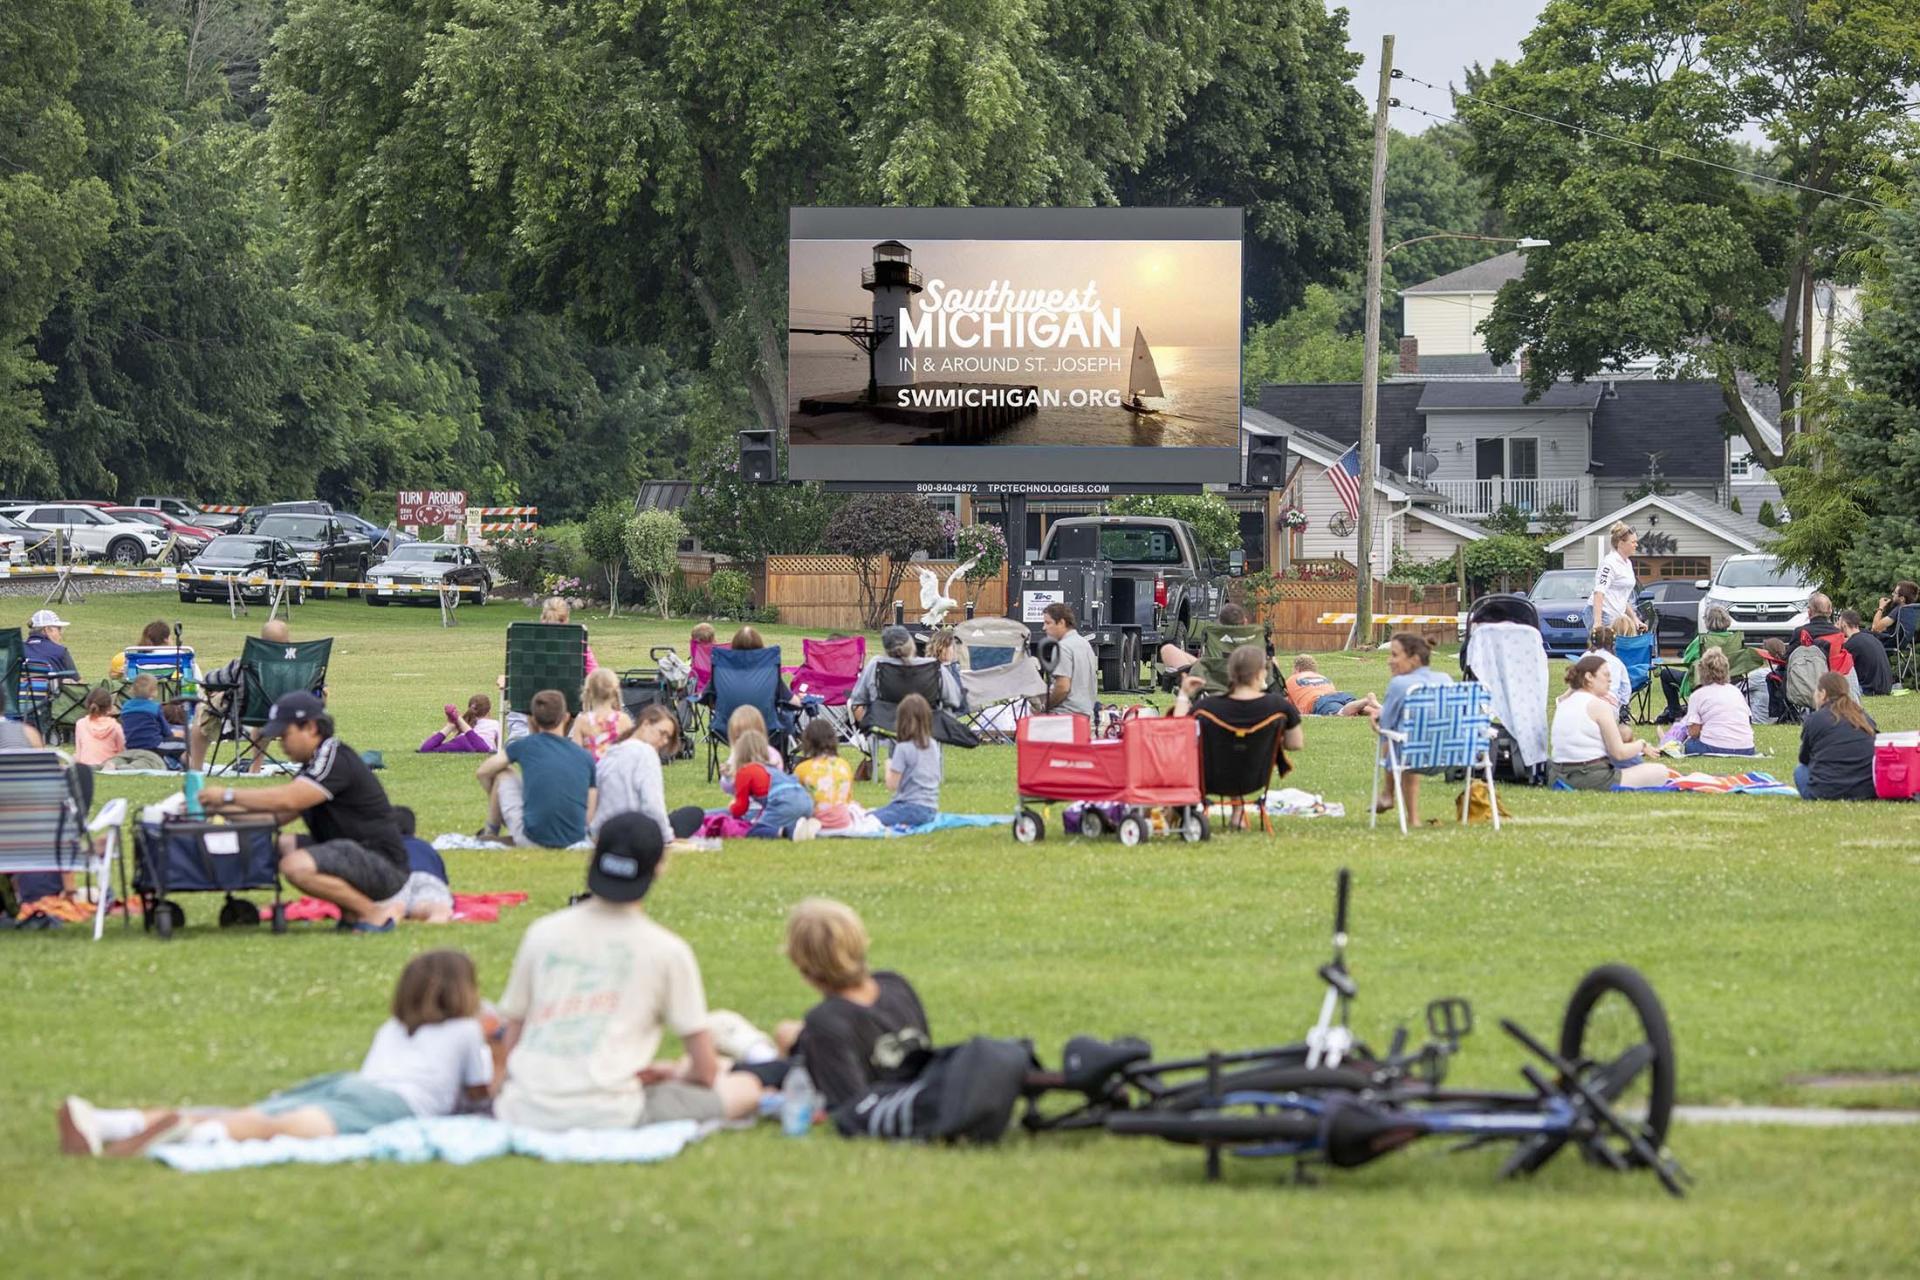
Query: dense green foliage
[
  {"x": 1305, "y": 345},
  {"x": 1656, "y": 253},
  {"x": 881, "y": 532},
  {"x": 653, "y": 549},
  {"x": 1508, "y": 559},
  {"x": 1851, "y": 486}
]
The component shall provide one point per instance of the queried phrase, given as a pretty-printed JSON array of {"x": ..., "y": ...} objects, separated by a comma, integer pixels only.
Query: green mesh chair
[
  {"x": 268, "y": 671},
  {"x": 1211, "y": 642},
  {"x": 545, "y": 655}
]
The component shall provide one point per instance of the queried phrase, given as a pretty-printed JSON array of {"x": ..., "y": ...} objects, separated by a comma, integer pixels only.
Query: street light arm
[{"x": 1525, "y": 242}]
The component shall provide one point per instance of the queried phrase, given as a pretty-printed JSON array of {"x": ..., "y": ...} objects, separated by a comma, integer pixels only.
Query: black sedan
[
  {"x": 331, "y": 552},
  {"x": 246, "y": 557},
  {"x": 1674, "y": 607},
  {"x": 429, "y": 563}
]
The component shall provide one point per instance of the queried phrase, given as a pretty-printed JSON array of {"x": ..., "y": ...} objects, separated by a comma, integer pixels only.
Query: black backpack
[{"x": 965, "y": 1093}]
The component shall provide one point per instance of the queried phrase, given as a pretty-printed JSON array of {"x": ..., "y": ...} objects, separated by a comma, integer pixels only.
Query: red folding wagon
[{"x": 1153, "y": 765}]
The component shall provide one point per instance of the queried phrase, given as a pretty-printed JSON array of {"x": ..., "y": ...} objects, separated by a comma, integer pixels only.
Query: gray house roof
[
  {"x": 1681, "y": 421},
  {"x": 1332, "y": 409},
  {"x": 1485, "y": 276},
  {"x": 1491, "y": 395}
]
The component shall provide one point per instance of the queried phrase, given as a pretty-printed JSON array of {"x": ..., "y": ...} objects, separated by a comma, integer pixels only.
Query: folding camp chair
[
  {"x": 998, "y": 673},
  {"x": 1210, "y": 643},
  {"x": 1636, "y": 654},
  {"x": 1905, "y": 653},
  {"x": 700, "y": 658},
  {"x": 545, "y": 655},
  {"x": 174, "y": 668},
  {"x": 1236, "y": 763},
  {"x": 827, "y": 672},
  {"x": 13, "y": 660},
  {"x": 746, "y": 678},
  {"x": 1443, "y": 726},
  {"x": 42, "y": 827},
  {"x": 268, "y": 671},
  {"x": 892, "y": 682}
]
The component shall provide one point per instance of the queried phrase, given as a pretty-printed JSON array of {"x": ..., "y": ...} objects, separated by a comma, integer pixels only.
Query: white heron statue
[{"x": 937, "y": 600}]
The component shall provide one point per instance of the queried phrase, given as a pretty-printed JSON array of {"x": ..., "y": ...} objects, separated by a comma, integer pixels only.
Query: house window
[
  {"x": 1743, "y": 468},
  {"x": 1523, "y": 458}
]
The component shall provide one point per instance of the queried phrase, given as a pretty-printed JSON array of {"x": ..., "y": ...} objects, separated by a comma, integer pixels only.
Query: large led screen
[{"x": 1014, "y": 345}]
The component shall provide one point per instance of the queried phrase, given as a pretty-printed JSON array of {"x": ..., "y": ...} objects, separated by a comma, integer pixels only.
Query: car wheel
[
  {"x": 187, "y": 597},
  {"x": 480, "y": 593},
  {"x": 125, "y": 552},
  {"x": 375, "y": 601}
]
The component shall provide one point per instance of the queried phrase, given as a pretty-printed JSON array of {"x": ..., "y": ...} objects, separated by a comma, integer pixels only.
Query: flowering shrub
[
  {"x": 984, "y": 543},
  {"x": 558, "y": 584}
]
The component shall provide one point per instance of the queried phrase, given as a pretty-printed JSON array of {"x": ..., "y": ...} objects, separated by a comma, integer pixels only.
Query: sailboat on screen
[{"x": 1143, "y": 378}]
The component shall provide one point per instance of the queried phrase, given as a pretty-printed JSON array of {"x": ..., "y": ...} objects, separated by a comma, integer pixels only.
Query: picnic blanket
[
  {"x": 943, "y": 822},
  {"x": 1725, "y": 784},
  {"x": 468, "y": 908},
  {"x": 455, "y": 1140},
  {"x": 453, "y": 840}
]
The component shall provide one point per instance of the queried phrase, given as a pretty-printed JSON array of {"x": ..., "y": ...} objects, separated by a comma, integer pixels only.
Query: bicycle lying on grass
[{"x": 1606, "y": 1092}]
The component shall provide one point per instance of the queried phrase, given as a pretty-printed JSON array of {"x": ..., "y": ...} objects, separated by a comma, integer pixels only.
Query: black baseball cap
[
  {"x": 625, "y": 856},
  {"x": 292, "y": 708}
]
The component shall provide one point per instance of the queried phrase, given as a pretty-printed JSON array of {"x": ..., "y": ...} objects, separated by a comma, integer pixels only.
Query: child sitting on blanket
[
  {"x": 913, "y": 767},
  {"x": 783, "y": 802},
  {"x": 426, "y": 896},
  {"x": 97, "y": 736},
  {"x": 422, "y": 1059},
  {"x": 828, "y": 778},
  {"x": 474, "y": 730},
  {"x": 602, "y": 720}
]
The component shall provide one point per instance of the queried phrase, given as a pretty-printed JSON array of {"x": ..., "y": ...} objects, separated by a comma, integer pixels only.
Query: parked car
[
  {"x": 429, "y": 562},
  {"x": 187, "y": 511},
  {"x": 383, "y": 540},
  {"x": 1564, "y": 600},
  {"x": 325, "y": 546},
  {"x": 250, "y": 518},
  {"x": 1763, "y": 597},
  {"x": 192, "y": 537},
  {"x": 93, "y": 532},
  {"x": 242, "y": 556},
  {"x": 15, "y": 539},
  {"x": 1675, "y": 609}
]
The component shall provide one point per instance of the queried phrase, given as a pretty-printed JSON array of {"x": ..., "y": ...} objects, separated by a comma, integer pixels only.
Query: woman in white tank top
[{"x": 1588, "y": 752}]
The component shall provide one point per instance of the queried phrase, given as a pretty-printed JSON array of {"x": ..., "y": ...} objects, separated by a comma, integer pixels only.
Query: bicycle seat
[{"x": 1087, "y": 1064}]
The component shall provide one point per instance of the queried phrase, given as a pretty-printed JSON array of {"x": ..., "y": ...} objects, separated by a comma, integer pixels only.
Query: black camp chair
[
  {"x": 268, "y": 671},
  {"x": 1236, "y": 764},
  {"x": 13, "y": 661},
  {"x": 892, "y": 682}
]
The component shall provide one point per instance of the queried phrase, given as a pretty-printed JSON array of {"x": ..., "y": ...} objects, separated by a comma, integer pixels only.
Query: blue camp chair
[
  {"x": 1905, "y": 650},
  {"x": 1636, "y": 654},
  {"x": 1443, "y": 726},
  {"x": 745, "y": 678}
]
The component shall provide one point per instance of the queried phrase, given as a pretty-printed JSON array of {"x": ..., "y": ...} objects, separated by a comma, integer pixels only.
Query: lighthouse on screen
[{"x": 893, "y": 282}]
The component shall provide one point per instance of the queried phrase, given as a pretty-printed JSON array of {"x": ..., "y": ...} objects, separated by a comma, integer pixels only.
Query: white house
[
  {"x": 1693, "y": 535},
  {"x": 1444, "y": 313}
]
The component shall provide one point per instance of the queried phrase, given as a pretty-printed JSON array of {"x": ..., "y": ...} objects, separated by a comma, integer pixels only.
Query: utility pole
[{"x": 1362, "y": 636}]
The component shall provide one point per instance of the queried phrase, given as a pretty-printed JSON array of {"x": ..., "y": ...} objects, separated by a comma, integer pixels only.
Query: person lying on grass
[
  {"x": 1408, "y": 657},
  {"x": 593, "y": 989},
  {"x": 868, "y": 1026},
  {"x": 354, "y": 857},
  {"x": 1313, "y": 694},
  {"x": 423, "y": 1057},
  {"x": 471, "y": 731},
  {"x": 427, "y": 896},
  {"x": 1589, "y": 752}
]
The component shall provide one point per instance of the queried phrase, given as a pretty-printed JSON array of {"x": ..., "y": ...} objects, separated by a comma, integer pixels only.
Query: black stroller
[
  {"x": 1508, "y": 767},
  {"x": 668, "y": 682}
]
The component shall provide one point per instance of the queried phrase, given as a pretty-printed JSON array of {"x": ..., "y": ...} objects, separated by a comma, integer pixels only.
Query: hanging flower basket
[{"x": 1293, "y": 518}]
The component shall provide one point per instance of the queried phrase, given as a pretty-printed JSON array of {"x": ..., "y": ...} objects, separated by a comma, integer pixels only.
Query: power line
[{"x": 1614, "y": 137}]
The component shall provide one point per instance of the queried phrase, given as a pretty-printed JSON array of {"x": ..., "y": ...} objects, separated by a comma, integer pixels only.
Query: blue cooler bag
[{"x": 197, "y": 856}]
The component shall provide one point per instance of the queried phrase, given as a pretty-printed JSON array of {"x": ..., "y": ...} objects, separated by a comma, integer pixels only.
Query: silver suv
[
  {"x": 1763, "y": 597},
  {"x": 93, "y": 533}
]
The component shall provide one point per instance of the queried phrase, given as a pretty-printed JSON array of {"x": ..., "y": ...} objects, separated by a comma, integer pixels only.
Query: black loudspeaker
[
  {"x": 756, "y": 457},
  {"x": 1266, "y": 461},
  {"x": 1077, "y": 542}
]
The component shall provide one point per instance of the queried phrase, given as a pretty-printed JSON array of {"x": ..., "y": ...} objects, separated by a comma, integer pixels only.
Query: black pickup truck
[{"x": 1134, "y": 583}]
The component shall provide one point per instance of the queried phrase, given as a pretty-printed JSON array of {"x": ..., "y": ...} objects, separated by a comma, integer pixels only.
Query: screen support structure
[{"x": 1015, "y": 507}]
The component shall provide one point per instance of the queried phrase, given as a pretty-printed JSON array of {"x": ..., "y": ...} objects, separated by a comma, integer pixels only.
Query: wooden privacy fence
[
  {"x": 823, "y": 592},
  {"x": 1295, "y": 616}
]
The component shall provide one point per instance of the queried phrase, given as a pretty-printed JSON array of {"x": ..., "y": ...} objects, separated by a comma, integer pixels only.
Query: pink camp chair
[
  {"x": 829, "y": 669},
  {"x": 700, "y": 659}
]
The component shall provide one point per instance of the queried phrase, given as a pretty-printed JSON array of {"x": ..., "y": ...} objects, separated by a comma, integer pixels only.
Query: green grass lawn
[{"x": 1780, "y": 935}]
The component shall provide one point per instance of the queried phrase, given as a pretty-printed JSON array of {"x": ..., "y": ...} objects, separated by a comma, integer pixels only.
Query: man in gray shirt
[{"x": 1075, "y": 672}]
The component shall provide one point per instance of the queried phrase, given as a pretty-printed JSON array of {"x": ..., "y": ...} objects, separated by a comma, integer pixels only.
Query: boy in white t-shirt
[
  {"x": 1614, "y": 584},
  {"x": 593, "y": 990}
]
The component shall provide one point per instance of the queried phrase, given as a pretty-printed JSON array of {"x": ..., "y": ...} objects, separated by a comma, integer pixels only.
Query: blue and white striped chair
[
  {"x": 43, "y": 829},
  {"x": 1442, "y": 726}
]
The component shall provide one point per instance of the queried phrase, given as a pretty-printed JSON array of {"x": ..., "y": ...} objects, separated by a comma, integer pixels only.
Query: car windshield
[
  {"x": 1760, "y": 573},
  {"x": 313, "y": 528},
  {"x": 431, "y": 553},
  {"x": 1564, "y": 584},
  {"x": 236, "y": 550}
]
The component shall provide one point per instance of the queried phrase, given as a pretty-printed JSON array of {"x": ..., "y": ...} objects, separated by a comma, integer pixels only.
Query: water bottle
[
  {"x": 797, "y": 1101},
  {"x": 191, "y": 785}
]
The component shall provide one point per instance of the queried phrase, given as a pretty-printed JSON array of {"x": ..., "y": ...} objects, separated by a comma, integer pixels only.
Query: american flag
[{"x": 1344, "y": 476}]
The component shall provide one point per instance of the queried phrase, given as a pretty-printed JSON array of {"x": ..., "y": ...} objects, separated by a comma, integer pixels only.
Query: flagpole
[{"x": 1362, "y": 634}]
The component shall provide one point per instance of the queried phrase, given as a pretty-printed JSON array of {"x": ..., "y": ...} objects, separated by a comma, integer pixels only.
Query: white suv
[
  {"x": 92, "y": 532},
  {"x": 1763, "y": 597}
]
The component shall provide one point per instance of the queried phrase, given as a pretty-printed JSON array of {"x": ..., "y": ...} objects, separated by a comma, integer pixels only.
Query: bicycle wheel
[
  {"x": 1615, "y": 1034},
  {"x": 1238, "y": 1128}
]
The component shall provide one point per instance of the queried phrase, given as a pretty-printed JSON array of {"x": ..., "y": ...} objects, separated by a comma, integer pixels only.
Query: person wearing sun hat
[
  {"x": 355, "y": 857},
  {"x": 44, "y": 645},
  {"x": 593, "y": 989}
]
